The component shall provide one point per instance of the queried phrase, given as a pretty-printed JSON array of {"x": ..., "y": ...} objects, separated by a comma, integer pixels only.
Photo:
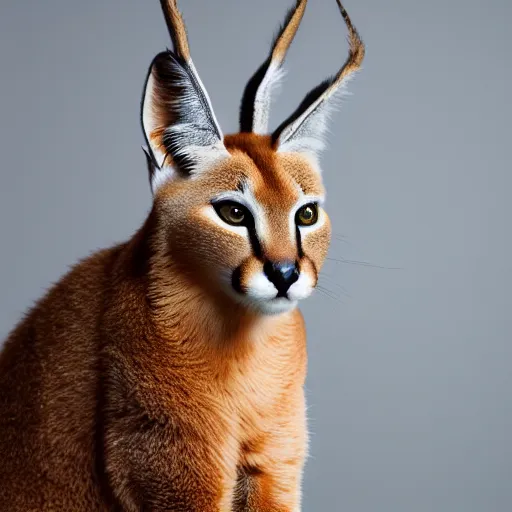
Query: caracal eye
[
  {"x": 307, "y": 215},
  {"x": 232, "y": 213}
]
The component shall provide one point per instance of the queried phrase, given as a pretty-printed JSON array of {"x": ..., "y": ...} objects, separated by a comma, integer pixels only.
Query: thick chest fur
[
  {"x": 268, "y": 404},
  {"x": 229, "y": 411},
  {"x": 263, "y": 394},
  {"x": 264, "y": 387},
  {"x": 239, "y": 395}
]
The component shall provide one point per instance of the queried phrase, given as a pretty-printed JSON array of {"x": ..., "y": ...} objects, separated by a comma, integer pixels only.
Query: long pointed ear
[
  {"x": 254, "y": 110},
  {"x": 180, "y": 127},
  {"x": 304, "y": 130}
]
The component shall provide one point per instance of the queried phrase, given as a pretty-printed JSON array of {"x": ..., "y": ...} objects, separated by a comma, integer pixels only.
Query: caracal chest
[{"x": 264, "y": 385}]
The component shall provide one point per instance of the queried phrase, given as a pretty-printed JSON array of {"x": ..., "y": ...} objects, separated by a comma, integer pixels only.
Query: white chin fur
[
  {"x": 276, "y": 306},
  {"x": 261, "y": 294}
]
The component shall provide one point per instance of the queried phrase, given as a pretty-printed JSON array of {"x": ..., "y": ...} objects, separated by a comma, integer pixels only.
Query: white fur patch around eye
[
  {"x": 302, "y": 288},
  {"x": 260, "y": 221},
  {"x": 247, "y": 199},
  {"x": 210, "y": 213}
]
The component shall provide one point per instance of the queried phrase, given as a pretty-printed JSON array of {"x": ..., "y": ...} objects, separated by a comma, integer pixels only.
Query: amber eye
[
  {"x": 232, "y": 213},
  {"x": 307, "y": 215}
]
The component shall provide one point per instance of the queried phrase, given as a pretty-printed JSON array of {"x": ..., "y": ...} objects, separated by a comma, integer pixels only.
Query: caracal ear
[
  {"x": 304, "y": 131},
  {"x": 181, "y": 131},
  {"x": 255, "y": 106}
]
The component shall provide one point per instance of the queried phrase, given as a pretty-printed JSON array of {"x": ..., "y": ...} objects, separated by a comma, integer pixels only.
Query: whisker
[
  {"x": 362, "y": 263},
  {"x": 324, "y": 275},
  {"x": 329, "y": 293},
  {"x": 341, "y": 238},
  {"x": 342, "y": 288}
]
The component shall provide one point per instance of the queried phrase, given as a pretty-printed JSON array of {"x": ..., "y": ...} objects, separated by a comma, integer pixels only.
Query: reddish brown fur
[
  {"x": 134, "y": 383},
  {"x": 138, "y": 382}
]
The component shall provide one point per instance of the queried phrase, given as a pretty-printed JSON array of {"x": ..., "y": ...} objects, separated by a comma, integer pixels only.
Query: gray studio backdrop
[{"x": 410, "y": 374}]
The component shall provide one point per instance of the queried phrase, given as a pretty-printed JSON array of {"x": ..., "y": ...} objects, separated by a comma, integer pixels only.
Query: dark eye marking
[{"x": 236, "y": 214}]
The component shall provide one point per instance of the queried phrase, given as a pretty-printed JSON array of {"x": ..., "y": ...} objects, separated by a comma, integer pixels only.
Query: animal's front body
[{"x": 167, "y": 373}]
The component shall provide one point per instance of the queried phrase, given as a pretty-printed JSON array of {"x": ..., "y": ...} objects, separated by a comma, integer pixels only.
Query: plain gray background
[{"x": 410, "y": 373}]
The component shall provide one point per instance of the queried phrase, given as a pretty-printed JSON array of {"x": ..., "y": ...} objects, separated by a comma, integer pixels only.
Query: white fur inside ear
[
  {"x": 161, "y": 176},
  {"x": 307, "y": 134},
  {"x": 158, "y": 174},
  {"x": 184, "y": 126},
  {"x": 148, "y": 117},
  {"x": 204, "y": 157},
  {"x": 206, "y": 97},
  {"x": 271, "y": 82}
]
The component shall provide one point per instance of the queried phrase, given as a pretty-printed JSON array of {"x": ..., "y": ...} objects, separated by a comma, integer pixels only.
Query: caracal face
[{"x": 253, "y": 226}]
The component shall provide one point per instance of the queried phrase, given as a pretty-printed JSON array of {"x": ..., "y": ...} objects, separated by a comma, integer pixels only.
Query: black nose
[{"x": 282, "y": 275}]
